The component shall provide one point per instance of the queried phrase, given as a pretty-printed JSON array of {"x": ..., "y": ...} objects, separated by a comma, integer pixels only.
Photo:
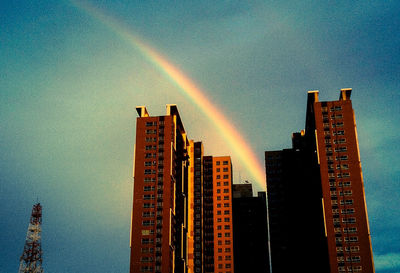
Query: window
[
  {"x": 226, "y": 183},
  {"x": 227, "y": 234},
  {"x": 226, "y": 190},
  {"x": 338, "y": 133},
  {"x": 351, "y": 239},
  {"x": 147, "y": 250},
  {"x": 226, "y": 176},
  {"x": 339, "y": 141},
  {"x": 345, "y": 184},
  {"x": 337, "y": 116},
  {"x": 148, "y": 197},
  {"x": 226, "y": 212},
  {"x": 341, "y": 149},
  {"x": 226, "y": 197},
  {"x": 148, "y": 205},
  {"x": 226, "y": 205},
  {"x": 148, "y": 188},
  {"x": 218, "y": 163},
  {"x": 228, "y": 257},
  {"x": 146, "y": 259},
  {"x": 226, "y": 219},
  {"x": 218, "y": 191},
  {"x": 346, "y": 202},
  {"x": 225, "y": 169},
  {"x": 350, "y": 230},
  {"x": 342, "y": 167},
  {"x": 347, "y": 193},
  {"x": 342, "y": 175},
  {"x": 149, "y": 179},
  {"x": 148, "y": 223},
  {"x": 227, "y": 227},
  {"x": 151, "y": 123},
  {"x": 218, "y": 212},
  {"x": 218, "y": 177},
  {"x": 342, "y": 157},
  {"x": 228, "y": 249},
  {"x": 225, "y": 163},
  {"x": 149, "y": 155},
  {"x": 218, "y": 170},
  {"x": 351, "y": 220},
  {"x": 149, "y": 171},
  {"x": 146, "y": 268},
  {"x": 219, "y": 227},
  {"x": 348, "y": 211}
]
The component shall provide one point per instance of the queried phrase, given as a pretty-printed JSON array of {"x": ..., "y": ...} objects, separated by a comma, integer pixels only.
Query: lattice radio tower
[{"x": 31, "y": 259}]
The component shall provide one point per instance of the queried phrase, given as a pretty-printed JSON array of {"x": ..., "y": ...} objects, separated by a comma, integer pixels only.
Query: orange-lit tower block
[
  {"x": 160, "y": 197},
  {"x": 346, "y": 219},
  {"x": 222, "y": 210},
  {"x": 190, "y": 232}
]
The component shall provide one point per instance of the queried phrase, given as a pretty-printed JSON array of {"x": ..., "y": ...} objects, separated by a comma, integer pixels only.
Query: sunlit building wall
[
  {"x": 316, "y": 200},
  {"x": 346, "y": 218},
  {"x": 190, "y": 233},
  {"x": 160, "y": 214},
  {"x": 222, "y": 210}
]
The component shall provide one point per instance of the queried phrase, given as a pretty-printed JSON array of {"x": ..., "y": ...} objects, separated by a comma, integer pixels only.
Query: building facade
[
  {"x": 197, "y": 219},
  {"x": 160, "y": 198},
  {"x": 346, "y": 217},
  {"x": 222, "y": 211},
  {"x": 208, "y": 215},
  {"x": 250, "y": 238},
  {"x": 321, "y": 174}
]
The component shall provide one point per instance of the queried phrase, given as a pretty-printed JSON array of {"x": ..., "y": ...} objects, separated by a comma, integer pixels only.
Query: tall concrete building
[
  {"x": 319, "y": 181},
  {"x": 222, "y": 211},
  {"x": 208, "y": 215},
  {"x": 250, "y": 238},
  {"x": 198, "y": 222},
  {"x": 160, "y": 197}
]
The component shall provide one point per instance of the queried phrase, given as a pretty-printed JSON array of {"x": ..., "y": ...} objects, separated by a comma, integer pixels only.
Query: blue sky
[{"x": 69, "y": 86}]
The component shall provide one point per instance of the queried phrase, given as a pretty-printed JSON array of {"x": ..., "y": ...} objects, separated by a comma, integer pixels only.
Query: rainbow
[{"x": 237, "y": 143}]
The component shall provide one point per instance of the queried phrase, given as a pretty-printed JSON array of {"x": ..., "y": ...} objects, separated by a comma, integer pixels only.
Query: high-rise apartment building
[
  {"x": 198, "y": 207},
  {"x": 222, "y": 211},
  {"x": 316, "y": 201},
  {"x": 208, "y": 215},
  {"x": 160, "y": 198},
  {"x": 190, "y": 231},
  {"x": 250, "y": 238},
  {"x": 346, "y": 218}
]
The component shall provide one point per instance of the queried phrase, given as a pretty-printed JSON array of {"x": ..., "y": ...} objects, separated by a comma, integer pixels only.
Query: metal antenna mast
[{"x": 31, "y": 259}]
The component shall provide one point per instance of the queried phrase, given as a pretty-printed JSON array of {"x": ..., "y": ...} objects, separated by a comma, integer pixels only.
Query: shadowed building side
[
  {"x": 316, "y": 200},
  {"x": 250, "y": 239}
]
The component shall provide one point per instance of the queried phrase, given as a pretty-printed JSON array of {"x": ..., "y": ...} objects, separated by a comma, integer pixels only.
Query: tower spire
[{"x": 31, "y": 258}]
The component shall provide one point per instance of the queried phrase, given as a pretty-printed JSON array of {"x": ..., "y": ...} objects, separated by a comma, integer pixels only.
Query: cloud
[{"x": 388, "y": 261}]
